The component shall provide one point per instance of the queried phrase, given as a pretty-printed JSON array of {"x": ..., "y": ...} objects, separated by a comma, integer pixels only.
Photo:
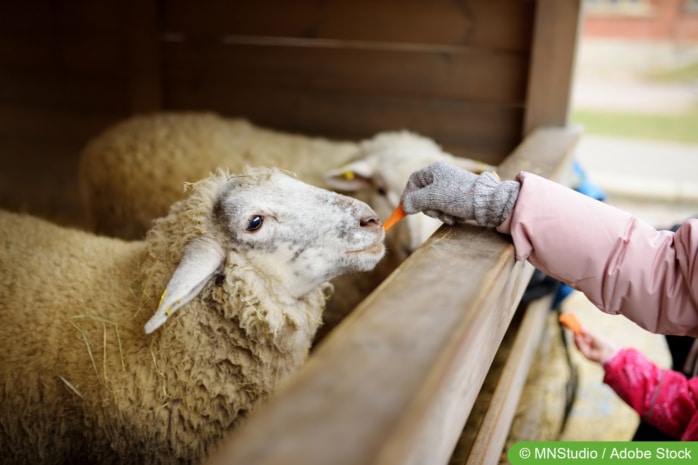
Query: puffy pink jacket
[
  {"x": 620, "y": 263},
  {"x": 663, "y": 398}
]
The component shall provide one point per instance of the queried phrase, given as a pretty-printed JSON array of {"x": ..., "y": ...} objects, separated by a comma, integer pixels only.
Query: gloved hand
[{"x": 452, "y": 194}]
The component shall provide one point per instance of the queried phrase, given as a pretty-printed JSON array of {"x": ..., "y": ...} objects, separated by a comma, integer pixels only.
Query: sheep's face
[
  {"x": 380, "y": 172},
  {"x": 299, "y": 234},
  {"x": 296, "y": 235}
]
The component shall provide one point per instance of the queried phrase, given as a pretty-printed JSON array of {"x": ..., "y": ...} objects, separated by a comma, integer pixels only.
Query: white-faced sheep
[
  {"x": 133, "y": 171},
  {"x": 243, "y": 262}
]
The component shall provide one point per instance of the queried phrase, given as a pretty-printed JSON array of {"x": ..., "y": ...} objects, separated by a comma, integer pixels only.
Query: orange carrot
[
  {"x": 394, "y": 217},
  {"x": 571, "y": 322}
]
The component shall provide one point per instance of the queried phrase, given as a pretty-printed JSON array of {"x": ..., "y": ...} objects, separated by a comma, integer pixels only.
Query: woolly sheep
[
  {"x": 132, "y": 172},
  {"x": 244, "y": 262}
]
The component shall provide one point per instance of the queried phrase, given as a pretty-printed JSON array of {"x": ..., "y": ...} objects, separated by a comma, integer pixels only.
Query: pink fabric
[
  {"x": 663, "y": 398},
  {"x": 620, "y": 263}
]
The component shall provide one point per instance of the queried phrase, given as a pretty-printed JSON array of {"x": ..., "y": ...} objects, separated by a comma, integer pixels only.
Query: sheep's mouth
[{"x": 375, "y": 249}]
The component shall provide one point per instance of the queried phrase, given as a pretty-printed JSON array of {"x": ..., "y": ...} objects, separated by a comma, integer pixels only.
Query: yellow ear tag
[
  {"x": 168, "y": 312},
  {"x": 349, "y": 175}
]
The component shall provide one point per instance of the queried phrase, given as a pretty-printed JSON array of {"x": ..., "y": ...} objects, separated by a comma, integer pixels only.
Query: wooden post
[{"x": 553, "y": 50}]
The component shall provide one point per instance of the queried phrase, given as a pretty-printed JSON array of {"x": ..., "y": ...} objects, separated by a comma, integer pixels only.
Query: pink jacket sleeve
[
  {"x": 620, "y": 263},
  {"x": 663, "y": 398}
]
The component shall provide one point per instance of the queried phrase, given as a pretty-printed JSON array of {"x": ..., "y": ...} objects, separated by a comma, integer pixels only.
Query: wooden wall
[
  {"x": 457, "y": 71},
  {"x": 63, "y": 77}
]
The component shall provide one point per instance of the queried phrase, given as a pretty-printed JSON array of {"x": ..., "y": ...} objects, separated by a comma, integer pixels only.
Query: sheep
[
  {"x": 88, "y": 373},
  {"x": 132, "y": 172}
]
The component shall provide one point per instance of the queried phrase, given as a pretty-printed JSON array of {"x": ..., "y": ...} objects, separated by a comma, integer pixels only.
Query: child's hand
[
  {"x": 451, "y": 194},
  {"x": 595, "y": 348}
]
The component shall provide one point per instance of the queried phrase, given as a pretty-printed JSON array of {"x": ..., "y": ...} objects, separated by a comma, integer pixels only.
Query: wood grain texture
[
  {"x": 144, "y": 56},
  {"x": 553, "y": 52},
  {"x": 395, "y": 382},
  {"x": 454, "y": 71},
  {"x": 495, "y": 24},
  {"x": 476, "y": 75},
  {"x": 487, "y": 132},
  {"x": 495, "y": 424}
]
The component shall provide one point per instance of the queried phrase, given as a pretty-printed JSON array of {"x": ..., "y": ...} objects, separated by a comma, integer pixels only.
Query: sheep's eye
[{"x": 255, "y": 223}]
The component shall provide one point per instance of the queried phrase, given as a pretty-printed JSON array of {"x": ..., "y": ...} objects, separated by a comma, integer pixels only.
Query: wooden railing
[{"x": 396, "y": 381}]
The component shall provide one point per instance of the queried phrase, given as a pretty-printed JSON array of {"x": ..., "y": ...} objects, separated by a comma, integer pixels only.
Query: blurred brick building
[{"x": 660, "y": 20}]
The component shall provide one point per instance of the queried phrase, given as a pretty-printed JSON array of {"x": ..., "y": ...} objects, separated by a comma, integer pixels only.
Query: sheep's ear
[
  {"x": 203, "y": 257},
  {"x": 350, "y": 178}
]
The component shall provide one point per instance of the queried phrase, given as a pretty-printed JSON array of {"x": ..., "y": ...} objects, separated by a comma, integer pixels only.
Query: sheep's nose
[{"x": 369, "y": 221}]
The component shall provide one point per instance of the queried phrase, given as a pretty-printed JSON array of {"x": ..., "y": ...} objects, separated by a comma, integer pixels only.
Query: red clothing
[{"x": 665, "y": 399}]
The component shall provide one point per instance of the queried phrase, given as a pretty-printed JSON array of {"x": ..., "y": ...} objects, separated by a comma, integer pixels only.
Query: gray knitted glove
[{"x": 452, "y": 194}]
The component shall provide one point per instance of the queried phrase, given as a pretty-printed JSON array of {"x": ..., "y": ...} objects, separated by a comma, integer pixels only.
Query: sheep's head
[
  {"x": 380, "y": 171},
  {"x": 297, "y": 235}
]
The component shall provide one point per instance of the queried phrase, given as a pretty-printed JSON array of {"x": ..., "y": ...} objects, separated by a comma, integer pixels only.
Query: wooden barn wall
[
  {"x": 64, "y": 76},
  {"x": 454, "y": 70}
]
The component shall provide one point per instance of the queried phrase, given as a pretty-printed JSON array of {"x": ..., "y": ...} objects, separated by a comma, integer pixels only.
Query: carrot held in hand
[
  {"x": 571, "y": 322},
  {"x": 394, "y": 217}
]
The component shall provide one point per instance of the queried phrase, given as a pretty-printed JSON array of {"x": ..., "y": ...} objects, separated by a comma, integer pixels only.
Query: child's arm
[
  {"x": 663, "y": 398},
  {"x": 595, "y": 348}
]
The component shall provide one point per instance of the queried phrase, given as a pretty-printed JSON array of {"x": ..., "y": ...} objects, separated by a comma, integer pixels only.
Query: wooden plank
[
  {"x": 396, "y": 380},
  {"x": 501, "y": 24},
  {"x": 489, "y": 131},
  {"x": 492, "y": 433},
  {"x": 60, "y": 91},
  {"x": 81, "y": 36},
  {"x": 69, "y": 53},
  {"x": 498, "y": 24},
  {"x": 484, "y": 397},
  {"x": 553, "y": 53},
  {"x": 28, "y": 51},
  {"x": 145, "y": 66},
  {"x": 57, "y": 16},
  {"x": 92, "y": 16},
  {"x": 475, "y": 75},
  {"x": 40, "y": 178},
  {"x": 27, "y": 16},
  {"x": 61, "y": 126},
  {"x": 101, "y": 55}
]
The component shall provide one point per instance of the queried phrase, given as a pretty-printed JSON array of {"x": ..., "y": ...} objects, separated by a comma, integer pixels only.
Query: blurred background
[
  {"x": 636, "y": 83},
  {"x": 636, "y": 95}
]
